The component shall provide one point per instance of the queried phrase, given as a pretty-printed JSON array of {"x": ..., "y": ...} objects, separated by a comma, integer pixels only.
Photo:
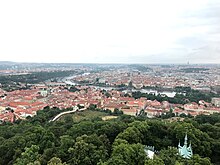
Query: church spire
[
  {"x": 185, "y": 151},
  {"x": 185, "y": 141}
]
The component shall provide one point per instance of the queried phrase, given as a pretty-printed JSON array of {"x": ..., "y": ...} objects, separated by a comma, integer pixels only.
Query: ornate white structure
[
  {"x": 149, "y": 150},
  {"x": 185, "y": 151}
]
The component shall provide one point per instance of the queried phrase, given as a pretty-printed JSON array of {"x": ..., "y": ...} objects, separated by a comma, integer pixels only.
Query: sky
[{"x": 116, "y": 31}]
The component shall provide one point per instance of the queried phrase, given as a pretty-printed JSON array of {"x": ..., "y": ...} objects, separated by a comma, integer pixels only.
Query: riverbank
[{"x": 125, "y": 89}]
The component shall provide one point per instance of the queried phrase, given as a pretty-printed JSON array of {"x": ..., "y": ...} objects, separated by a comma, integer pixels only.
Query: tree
[
  {"x": 66, "y": 142},
  {"x": 30, "y": 155},
  {"x": 169, "y": 156},
  {"x": 130, "y": 84},
  {"x": 87, "y": 150},
  {"x": 34, "y": 163},
  {"x": 117, "y": 112},
  {"x": 127, "y": 154},
  {"x": 108, "y": 95},
  {"x": 155, "y": 161},
  {"x": 73, "y": 89},
  {"x": 197, "y": 160},
  {"x": 55, "y": 161},
  {"x": 132, "y": 135},
  {"x": 116, "y": 160},
  {"x": 111, "y": 129},
  {"x": 114, "y": 142},
  {"x": 201, "y": 142}
]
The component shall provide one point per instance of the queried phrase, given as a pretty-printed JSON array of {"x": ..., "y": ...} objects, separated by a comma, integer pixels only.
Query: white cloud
[{"x": 100, "y": 31}]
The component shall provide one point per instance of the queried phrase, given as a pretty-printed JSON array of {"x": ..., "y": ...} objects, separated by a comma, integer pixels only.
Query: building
[
  {"x": 44, "y": 93},
  {"x": 216, "y": 102},
  {"x": 149, "y": 150},
  {"x": 185, "y": 151}
]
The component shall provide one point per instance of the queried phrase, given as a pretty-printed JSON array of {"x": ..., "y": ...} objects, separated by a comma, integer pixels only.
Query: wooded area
[{"x": 111, "y": 142}]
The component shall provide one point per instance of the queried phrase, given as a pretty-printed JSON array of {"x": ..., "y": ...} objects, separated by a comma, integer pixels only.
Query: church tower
[{"x": 185, "y": 151}]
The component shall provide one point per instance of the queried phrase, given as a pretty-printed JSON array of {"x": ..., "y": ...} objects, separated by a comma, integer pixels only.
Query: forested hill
[{"x": 119, "y": 141}]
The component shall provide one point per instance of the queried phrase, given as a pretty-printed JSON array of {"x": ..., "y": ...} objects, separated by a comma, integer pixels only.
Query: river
[{"x": 68, "y": 80}]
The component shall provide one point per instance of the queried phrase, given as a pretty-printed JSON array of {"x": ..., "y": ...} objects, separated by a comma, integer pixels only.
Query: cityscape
[
  {"x": 113, "y": 88},
  {"x": 117, "y": 82},
  {"x": 76, "y": 93}
]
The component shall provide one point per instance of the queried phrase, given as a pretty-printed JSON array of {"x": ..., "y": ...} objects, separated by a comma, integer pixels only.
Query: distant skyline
[{"x": 99, "y": 31}]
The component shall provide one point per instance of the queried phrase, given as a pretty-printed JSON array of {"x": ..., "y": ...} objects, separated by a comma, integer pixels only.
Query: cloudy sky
[{"x": 116, "y": 31}]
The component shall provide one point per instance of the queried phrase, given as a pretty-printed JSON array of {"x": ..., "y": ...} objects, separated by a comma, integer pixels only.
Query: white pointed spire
[
  {"x": 185, "y": 142},
  {"x": 185, "y": 151}
]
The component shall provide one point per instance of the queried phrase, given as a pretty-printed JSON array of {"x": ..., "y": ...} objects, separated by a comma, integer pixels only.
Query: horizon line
[{"x": 111, "y": 63}]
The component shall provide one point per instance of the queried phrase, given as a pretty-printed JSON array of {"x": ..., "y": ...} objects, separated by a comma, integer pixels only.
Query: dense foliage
[
  {"x": 12, "y": 82},
  {"x": 184, "y": 95},
  {"x": 120, "y": 141}
]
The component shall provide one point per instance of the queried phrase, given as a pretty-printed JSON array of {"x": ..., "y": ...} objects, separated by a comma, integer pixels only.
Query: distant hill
[{"x": 6, "y": 62}]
